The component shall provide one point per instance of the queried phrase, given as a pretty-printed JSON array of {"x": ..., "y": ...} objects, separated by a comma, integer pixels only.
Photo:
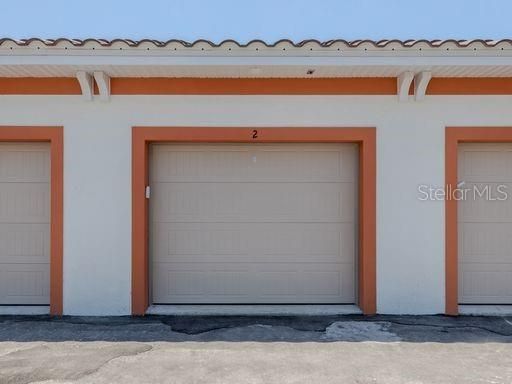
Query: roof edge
[{"x": 486, "y": 43}]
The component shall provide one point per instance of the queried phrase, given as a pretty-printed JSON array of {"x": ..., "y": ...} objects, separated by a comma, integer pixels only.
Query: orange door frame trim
[
  {"x": 365, "y": 137},
  {"x": 454, "y": 136},
  {"x": 53, "y": 135}
]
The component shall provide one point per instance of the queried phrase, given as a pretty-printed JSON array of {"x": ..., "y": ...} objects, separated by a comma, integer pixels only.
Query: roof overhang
[{"x": 337, "y": 58}]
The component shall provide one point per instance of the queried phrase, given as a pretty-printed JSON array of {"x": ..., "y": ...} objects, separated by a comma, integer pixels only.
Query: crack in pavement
[
  {"x": 62, "y": 362},
  {"x": 93, "y": 371},
  {"x": 8, "y": 354},
  {"x": 237, "y": 326},
  {"x": 324, "y": 328},
  {"x": 451, "y": 327}
]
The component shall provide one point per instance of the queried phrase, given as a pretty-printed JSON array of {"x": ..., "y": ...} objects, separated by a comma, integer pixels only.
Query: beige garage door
[
  {"x": 260, "y": 223},
  {"x": 485, "y": 226},
  {"x": 24, "y": 223}
]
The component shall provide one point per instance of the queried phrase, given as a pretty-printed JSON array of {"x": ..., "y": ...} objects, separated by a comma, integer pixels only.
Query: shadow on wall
[{"x": 348, "y": 328}]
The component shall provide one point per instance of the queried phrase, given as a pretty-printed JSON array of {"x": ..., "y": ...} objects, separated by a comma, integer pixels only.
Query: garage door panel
[
  {"x": 254, "y": 283},
  {"x": 270, "y": 223},
  {"x": 24, "y": 283},
  {"x": 254, "y": 242},
  {"x": 489, "y": 242},
  {"x": 262, "y": 163},
  {"x": 24, "y": 243},
  {"x": 24, "y": 223},
  {"x": 482, "y": 204},
  {"x": 485, "y": 225},
  {"x": 24, "y": 202},
  {"x": 485, "y": 162},
  {"x": 254, "y": 201},
  {"x": 190, "y": 164},
  {"x": 487, "y": 283},
  {"x": 27, "y": 162}
]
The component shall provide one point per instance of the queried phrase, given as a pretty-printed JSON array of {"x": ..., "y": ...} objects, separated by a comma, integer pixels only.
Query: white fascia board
[{"x": 142, "y": 60}]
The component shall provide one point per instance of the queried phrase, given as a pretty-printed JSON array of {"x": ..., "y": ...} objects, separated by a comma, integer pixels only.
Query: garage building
[{"x": 170, "y": 177}]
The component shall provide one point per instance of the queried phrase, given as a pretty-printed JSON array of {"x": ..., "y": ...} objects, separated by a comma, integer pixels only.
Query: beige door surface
[
  {"x": 485, "y": 226},
  {"x": 24, "y": 223},
  {"x": 253, "y": 223}
]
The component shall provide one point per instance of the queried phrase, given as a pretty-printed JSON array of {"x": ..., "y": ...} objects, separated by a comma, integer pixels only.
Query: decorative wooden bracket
[
  {"x": 103, "y": 83},
  {"x": 404, "y": 82},
  {"x": 421, "y": 81},
  {"x": 86, "y": 84}
]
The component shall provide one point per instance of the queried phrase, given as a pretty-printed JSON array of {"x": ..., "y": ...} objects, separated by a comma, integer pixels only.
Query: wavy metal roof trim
[{"x": 56, "y": 43}]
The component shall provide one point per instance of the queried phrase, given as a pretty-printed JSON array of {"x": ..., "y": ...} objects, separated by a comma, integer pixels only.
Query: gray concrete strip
[{"x": 341, "y": 362}]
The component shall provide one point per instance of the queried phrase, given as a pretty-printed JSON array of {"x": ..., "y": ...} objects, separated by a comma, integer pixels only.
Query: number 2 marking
[{"x": 254, "y": 134}]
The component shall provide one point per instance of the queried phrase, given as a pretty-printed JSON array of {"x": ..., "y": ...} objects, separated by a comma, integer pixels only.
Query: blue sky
[{"x": 263, "y": 19}]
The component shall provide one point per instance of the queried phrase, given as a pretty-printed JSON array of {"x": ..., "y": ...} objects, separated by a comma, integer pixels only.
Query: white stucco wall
[{"x": 97, "y": 179}]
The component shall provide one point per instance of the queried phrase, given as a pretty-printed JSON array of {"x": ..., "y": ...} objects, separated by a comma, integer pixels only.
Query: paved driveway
[{"x": 342, "y": 349}]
